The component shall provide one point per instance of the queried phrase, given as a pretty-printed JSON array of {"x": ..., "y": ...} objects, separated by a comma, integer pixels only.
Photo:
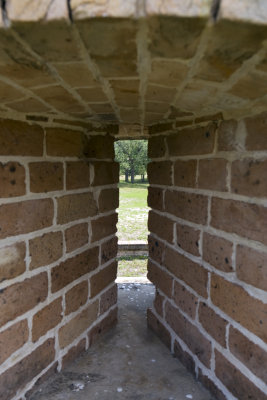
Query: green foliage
[{"x": 132, "y": 156}]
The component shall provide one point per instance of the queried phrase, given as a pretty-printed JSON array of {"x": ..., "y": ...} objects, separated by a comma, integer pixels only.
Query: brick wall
[
  {"x": 57, "y": 247},
  {"x": 208, "y": 251}
]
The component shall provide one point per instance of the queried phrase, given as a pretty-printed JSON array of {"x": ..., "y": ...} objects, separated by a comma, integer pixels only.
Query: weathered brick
[
  {"x": 187, "y": 270},
  {"x": 212, "y": 174},
  {"x": 160, "y": 172},
  {"x": 155, "y": 198},
  {"x": 160, "y": 278},
  {"x": 183, "y": 356},
  {"x": 244, "y": 219},
  {"x": 104, "y": 226},
  {"x": 103, "y": 326},
  {"x": 189, "y": 333},
  {"x": 189, "y": 206},
  {"x": 227, "y": 140},
  {"x": 25, "y": 217},
  {"x": 192, "y": 141},
  {"x": 210, "y": 385},
  {"x": 188, "y": 239},
  {"x": 75, "y": 206},
  {"x": 46, "y": 319},
  {"x": 256, "y": 132},
  {"x": 12, "y": 178},
  {"x": 157, "y": 128},
  {"x": 161, "y": 226},
  {"x": 12, "y": 261},
  {"x": 218, "y": 252},
  {"x": 109, "y": 250},
  {"x": 76, "y": 297},
  {"x": 76, "y": 326},
  {"x": 212, "y": 323},
  {"x": 249, "y": 178},
  {"x": 234, "y": 301},
  {"x": 73, "y": 353},
  {"x": 185, "y": 173},
  {"x": 100, "y": 147},
  {"x": 156, "y": 147},
  {"x": 108, "y": 299},
  {"x": 21, "y": 297},
  {"x": 158, "y": 303},
  {"x": 12, "y": 339},
  {"x": 108, "y": 200},
  {"x": 185, "y": 300},
  {"x": 237, "y": 383},
  {"x": 251, "y": 266},
  {"x": 16, "y": 377},
  {"x": 77, "y": 175},
  {"x": 105, "y": 173},
  {"x": 65, "y": 143},
  {"x": 45, "y": 249},
  {"x": 249, "y": 353},
  {"x": 46, "y": 176},
  {"x": 40, "y": 381},
  {"x": 102, "y": 279},
  {"x": 20, "y": 139},
  {"x": 156, "y": 249},
  {"x": 156, "y": 326},
  {"x": 73, "y": 268},
  {"x": 76, "y": 236}
]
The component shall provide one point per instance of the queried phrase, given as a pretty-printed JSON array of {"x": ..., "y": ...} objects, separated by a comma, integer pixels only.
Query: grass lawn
[{"x": 132, "y": 266}]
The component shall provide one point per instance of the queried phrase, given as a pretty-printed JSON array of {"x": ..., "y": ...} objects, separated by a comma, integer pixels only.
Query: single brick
[
  {"x": 20, "y": 139},
  {"x": 210, "y": 385},
  {"x": 40, "y": 381},
  {"x": 75, "y": 206},
  {"x": 46, "y": 176},
  {"x": 12, "y": 339},
  {"x": 159, "y": 303},
  {"x": 185, "y": 173},
  {"x": 218, "y": 252},
  {"x": 212, "y": 323},
  {"x": 158, "y": 128},
  {"x": 76, "y": 236},
  {"x": 21, "y": 297},
  {"x": 15, "y": 378},
  {"x": 73, "y": 268},
  {"x": 160, "y": 330},
  {"x": 77, "y": 175},
  {"x": 102, "y": 279},
  {"x": 105, "y": 173},
  {"x": 189, "y": 333},
  {"x": 193, "y": 141},
  {"x": 65, "y": 143},
  {"x": 185, "y": 300},
  {"x": 212, "y": 174},
  {"x": 160, "y": 278},
  {"x": 12, "y": 178},
  {"x": 108, "y": 299},
  {"x": 109, "y": 250},
  {"x": 12, "y": 261},
  {"x": 249, "y": 178},
  {"x": 156, "y": 249},
  {"x": 73, "y": 353},
  {"x": 183, "y": 356},
  {"x": 160, "y": 173},
  {"x": 234, "y": 301},
  {"x": 25, "y": 217},
  {"x": 46, "y": 319},
  {"x": 237, "y": 383},
  {"x": 155, "y": 198},
  {"x": 100, "y": 147},
  {"x": 251, "y": 266},
  {"x": 156, "y": 147},
  {"x": 103, "y": 326},
  {"x": 227, "y": 139},
  {"x": 189, "y": 206},
  {"x": 108, "y": 200},
  {"x": 244, "y": 219},
  {"x": 188, "y": 239},
  {"x": 104, "y": 226},
  {"x": 45, "y": 249},
  {"x": 249, "y": 353},
  {"x": 76, "y": 297},
  {"x": 77, "y": 325},
  {"x": 256, "y": 132},
  {"x": 187, "y": 270},
  {"x": 161, "y": 226}
]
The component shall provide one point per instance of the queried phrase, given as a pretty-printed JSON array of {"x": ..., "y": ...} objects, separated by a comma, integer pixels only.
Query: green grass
[{"x": 132, "y": 266}]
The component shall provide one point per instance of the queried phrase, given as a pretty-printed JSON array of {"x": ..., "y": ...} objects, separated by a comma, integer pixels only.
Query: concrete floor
[{"x": 129, "y": 362}]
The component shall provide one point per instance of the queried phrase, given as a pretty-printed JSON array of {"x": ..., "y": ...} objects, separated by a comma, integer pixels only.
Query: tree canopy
[{"x": 132, "y": 156}]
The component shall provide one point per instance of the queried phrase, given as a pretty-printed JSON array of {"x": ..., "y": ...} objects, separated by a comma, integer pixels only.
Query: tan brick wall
[
  {"x": 58, "y": 195},
  {"x": 208, "y": 251}
]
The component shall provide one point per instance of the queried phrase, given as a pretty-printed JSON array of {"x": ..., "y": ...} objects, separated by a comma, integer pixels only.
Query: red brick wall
[
  {"x": 208, "y": 251},
  {"x": 58, "y": 190}
]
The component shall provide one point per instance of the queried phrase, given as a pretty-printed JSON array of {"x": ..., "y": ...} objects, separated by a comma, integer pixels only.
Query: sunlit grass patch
[{"x": 132, "y": 266}]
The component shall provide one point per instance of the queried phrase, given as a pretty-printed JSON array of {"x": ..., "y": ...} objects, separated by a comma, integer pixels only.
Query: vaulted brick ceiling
[{"x": 133, "y": 62}]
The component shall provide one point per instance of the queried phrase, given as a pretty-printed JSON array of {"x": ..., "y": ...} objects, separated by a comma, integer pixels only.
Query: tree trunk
[
  {"x": 132, "y": 176},
  {"x": 143, "y": 177},
  {"x": 126, "y": 176}
]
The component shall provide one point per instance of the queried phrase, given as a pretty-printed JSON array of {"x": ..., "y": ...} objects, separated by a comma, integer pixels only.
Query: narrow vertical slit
[{"x": 70, "y": 10}]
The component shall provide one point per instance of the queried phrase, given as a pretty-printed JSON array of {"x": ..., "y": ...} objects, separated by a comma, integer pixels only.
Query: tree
[{"x": 132, "y": 156}]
